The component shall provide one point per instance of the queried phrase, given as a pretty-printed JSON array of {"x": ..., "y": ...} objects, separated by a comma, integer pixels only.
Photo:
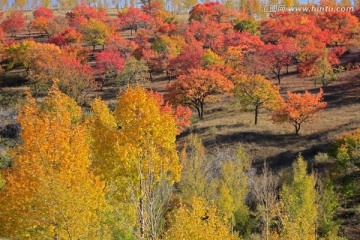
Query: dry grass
[{"x": 225, "y": 125}]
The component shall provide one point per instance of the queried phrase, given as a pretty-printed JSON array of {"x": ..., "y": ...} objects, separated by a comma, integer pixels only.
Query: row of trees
[
  {"x": 312, "y": 42},
  {"x": 110, "y": 175}
]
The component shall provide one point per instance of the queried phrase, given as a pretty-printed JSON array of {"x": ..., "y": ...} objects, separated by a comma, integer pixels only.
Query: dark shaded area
[
  {"x": 10, "y": 131},
  {"x": 10, "y": 80}
]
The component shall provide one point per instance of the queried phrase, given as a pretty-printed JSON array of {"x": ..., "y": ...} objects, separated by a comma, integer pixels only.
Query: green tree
[
  {"x": 196, "y": 165},
  {"x": 298, "y": 204},
  {"x": 233, "y": 190},
  {"x": 324, "y": 71},
  {"x": 255, "y": 92},
  {"x": 249, "y": 25},
  {"x": 221, "y": 177},
  {"x": 135, "y": 72},
  {"x": 95, "y": 32},
  {"x": 328, "y": 206}
]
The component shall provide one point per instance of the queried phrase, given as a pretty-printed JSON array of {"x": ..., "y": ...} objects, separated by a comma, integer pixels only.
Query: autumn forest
[{"x": 179, "y": 120}]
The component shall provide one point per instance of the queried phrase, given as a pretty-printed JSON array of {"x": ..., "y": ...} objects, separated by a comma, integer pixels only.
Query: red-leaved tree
[
  {"x": 133, "y": 19},
  {"x": 299, "y": 108},
  {"x": 67, "y": 37},
  {"x": 276, "y": 57},
  {"x": 14, "y": 22},
  {"x": 181, "y": 113},
  {"x": 109, "y": 64},
  {"x": 43, "y": 12},
  {"x": 198, "y": 86}
]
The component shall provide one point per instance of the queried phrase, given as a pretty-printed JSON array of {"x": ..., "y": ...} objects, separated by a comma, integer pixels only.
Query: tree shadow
[{"x": 287, "y": 146}]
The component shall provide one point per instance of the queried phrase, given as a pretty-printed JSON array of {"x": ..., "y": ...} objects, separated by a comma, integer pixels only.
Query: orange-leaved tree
[
  {"x": 299, "y": 108},
  {"x": 200, "y": 85},
  {"x": 134, "y": 151},
  {"x": 255, "y": 92},
  {"x": 50, "y": 192}
]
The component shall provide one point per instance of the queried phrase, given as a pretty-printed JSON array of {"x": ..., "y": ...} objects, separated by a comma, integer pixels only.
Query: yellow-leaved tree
[
  {"x": 134, "y": 151},
  {"x": 50, "y": 192},
  {"x": 233, "y": 190},
  {"x": 199, "y": 222},
  {"x": 298, "y": 204},
  {"x": 227, "y": 188}
]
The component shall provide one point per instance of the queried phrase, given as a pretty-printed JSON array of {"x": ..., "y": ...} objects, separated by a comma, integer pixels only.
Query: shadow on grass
[{"x": 287, "y": 146}]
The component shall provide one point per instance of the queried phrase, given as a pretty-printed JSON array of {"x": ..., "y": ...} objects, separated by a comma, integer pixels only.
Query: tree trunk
[
  {"x": 151, "y": 77},
  {"x": 287, "y": 68},
  {"x": 198, "y": 111},
  {"x": 256, "y": 114},
  {"x": 201, "y": 110},
  {"x": 102, "y": 83},
  {"x": 297, "y": 128},
  {"x": 141, "y": 213},
  {"x": 168, "y": 75},
  {"x": 278, "y": 76}
]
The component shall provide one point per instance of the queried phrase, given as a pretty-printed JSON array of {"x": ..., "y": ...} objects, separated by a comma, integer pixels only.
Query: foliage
[
  {"x": 277, "y": 56},
  {"x": 14, "y": 22},
  {"x": 325, "y": 72},
  {"x": 75, "y": 79},
  {"x": 299, "y": 108},
  {"x": 66, "y": 37},
  {"x": 255, "y": 92},
  {"x": 247, "y": 25},
  {"x": 40, "y": 24},
  {"x": 43, "y": 12},
  {"x": 198, "y": 222},
  {"x": 210, "y": 58},
  {"x": 135, "y": 72},
  {"x": 339, "y": 25},
  {"x": 181, "y": 114},
  {"x": 213, "y": 11},
  {"x": 193, "y": 89},
  {"x": 44, "y": 62},
  {"x": 195, "y": 174},
  {"x": 298, "y": 204},
  {"x": 50, "y": 192},
  {"x": 133, "y": 18},
  {"x": 264, "y": 189},
  {"x": 32, "y": 55},
  {"x": 95, "y": 32},
  {"x": 221, "y": 178},
  {"x": 118, "y": 43},
  {"x": 83, "y": 13},
  {"x": 42, "y": 20},
  {"x": 347, "y": 149},
  {"x": 109, "y": 64},
  {"x": 328, "y": 207},
  {"x": 233, "y": 190},
  {"x": 189, "y": 58},
  {"x": 143, "y": 156}
]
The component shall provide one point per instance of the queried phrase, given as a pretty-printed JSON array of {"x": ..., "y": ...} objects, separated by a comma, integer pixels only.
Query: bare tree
[{"x": 264, "y": 189}]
